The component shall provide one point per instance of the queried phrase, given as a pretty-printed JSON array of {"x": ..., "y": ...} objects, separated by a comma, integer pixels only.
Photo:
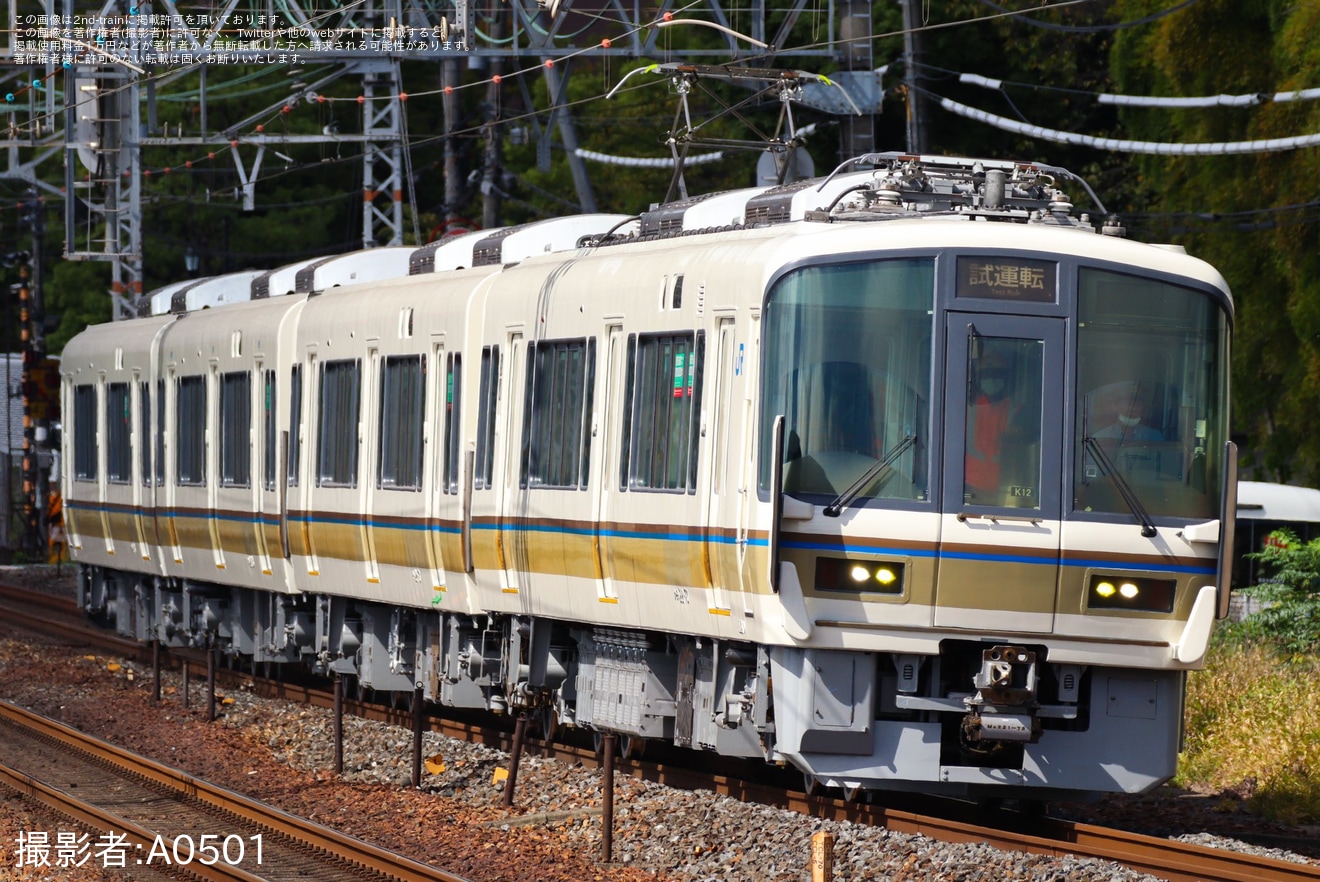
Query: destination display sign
[{"x": 1006, "y": 278}]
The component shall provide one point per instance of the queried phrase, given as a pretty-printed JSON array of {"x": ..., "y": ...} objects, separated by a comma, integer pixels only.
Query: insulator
[
  {"x": 995, "y": 180},
  {"x": 1113, "y": 227}
]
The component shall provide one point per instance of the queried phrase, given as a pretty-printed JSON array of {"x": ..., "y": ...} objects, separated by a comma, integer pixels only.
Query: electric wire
[
  {"x": 1303, "y": 95},
  {"x": 1250, "y": 99},
  {"x": 1093, "y": 29},
  {"x": 1159, "y": 148}
]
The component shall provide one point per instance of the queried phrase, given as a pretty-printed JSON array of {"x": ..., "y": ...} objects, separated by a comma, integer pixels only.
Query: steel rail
[
  {"x": 85, "y": 813},
  {"x": 183, "y": 785},
  {"x": 1165, "y": 858}
]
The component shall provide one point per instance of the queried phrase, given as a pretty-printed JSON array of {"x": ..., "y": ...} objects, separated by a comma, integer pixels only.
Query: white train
[{"x": 906, "y": 477}]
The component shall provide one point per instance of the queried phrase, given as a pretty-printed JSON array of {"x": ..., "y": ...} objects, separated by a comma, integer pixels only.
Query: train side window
[
  {"x": 144, "y": 431},
  {"x": 662, "y": 404},
  {"x": 268, "y": 428},
  {"x": 295, "y": 423},
  {"x": 118, "y": 424},
  {"x": 453, "y": 433},
  {"x": 160, "y": 433},
  {"x": 190, "y": 397},
  {"x": 236, "y": 429},
  {"x": 84, "y": 432},
  {"x": 341, "y": 399},
  {"x": 556, "y": 443},
  {"x": 402, "y": 408},
  {"x": 487, "y": 396}
]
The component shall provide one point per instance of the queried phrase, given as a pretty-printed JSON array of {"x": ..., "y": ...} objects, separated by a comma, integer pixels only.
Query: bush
[
  {"x": 1290, "y": 614},
  {"x": 1250, "y": 728}
]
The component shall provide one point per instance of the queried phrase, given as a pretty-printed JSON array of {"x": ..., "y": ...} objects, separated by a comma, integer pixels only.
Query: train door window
[
  {"x": 556, "y": 444},
  {"x": 295, "y": 423},
  {"x": 268, "y": 429},
  {"x": 144, "y": 431},
  {"x": 190, "y": 405},
  {"x": 402, "y": 407},
  {"x": 84, "y": 432},
  {"x": 341, "y": 398},
  {"x": 160, "y": 433},
  {"x": 453, "y": 433},
  {"x": 236, "y": 429},
  {"x": 118, "y": 425},
  {"x": 663, "y": 406},
  {"x": 487, "y": 395},
  {"x": 1004, "y": 419}
]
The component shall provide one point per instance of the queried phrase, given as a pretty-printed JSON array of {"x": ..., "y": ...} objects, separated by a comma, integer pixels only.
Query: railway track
[
  {"x": 1164, "y": 858},
  {"x": 156, "y": 816}
]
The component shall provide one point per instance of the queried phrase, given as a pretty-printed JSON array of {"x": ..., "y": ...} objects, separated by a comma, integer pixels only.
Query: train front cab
[{"x": 1024, "y": 614}]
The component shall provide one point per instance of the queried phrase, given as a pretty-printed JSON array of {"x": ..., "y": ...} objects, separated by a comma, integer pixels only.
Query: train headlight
[
  {"x": 1137, "y": 594},
  {"x": 859, "y": 576}
]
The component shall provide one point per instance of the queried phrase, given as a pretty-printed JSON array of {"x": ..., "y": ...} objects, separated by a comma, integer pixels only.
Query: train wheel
[
  {"x": 547, "y": 722},
  {"x": 598, "y": 742},
  {"x": 810, "y": 784},
  {"x": 631, "y": 747}
]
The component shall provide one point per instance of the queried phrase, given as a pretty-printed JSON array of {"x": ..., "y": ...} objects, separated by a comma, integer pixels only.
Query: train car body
[{"x": 906, "y": 477}]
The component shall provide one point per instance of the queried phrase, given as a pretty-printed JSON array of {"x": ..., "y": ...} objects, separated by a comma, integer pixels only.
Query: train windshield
[
  {"x": 848, "y": 364},
  {"x": 1152, "y": 395}
]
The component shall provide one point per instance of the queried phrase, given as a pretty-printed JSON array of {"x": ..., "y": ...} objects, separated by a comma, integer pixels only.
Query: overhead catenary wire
[
  {"x": 1092, "y": 29},
  {"x": 646, "y": 161},
  {"x": 1158, "y": 148},
  {"x": 421, "y": 141},
  {"x": 1249, "y": 99}
]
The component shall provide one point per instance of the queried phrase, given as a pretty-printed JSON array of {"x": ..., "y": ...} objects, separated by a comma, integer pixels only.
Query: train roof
[
  {"x": 1260, "y": 501},
  {"x": 205, "y": 293},
  {"x": 354, "y": 268},
  {"x": 885, "y": 187},
  {"x": 281, "y": 281}
]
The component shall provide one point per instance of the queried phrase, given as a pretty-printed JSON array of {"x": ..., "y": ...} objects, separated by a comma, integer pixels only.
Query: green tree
[
  {"x": 1234, "y": 210},
  {"x": 77, "y": 292},
  {"x": 1290, "y": 597}
]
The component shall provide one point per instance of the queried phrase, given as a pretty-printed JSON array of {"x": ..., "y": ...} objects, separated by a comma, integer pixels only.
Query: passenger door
[
  {"x": 605, "y": 443},
  {"x": 1003, "y": 491},
  {"x": 510, "y": 540},
  {"x": 722, "y": 500}
]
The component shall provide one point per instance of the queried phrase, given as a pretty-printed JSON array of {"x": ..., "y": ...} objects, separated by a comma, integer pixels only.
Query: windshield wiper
[
  {"x": 835, "y": 508},
  {"x": 1124, "y": 488}
]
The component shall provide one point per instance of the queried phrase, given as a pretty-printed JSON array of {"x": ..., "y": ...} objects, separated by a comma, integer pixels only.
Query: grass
[{"x": 1252, "y": 727}]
